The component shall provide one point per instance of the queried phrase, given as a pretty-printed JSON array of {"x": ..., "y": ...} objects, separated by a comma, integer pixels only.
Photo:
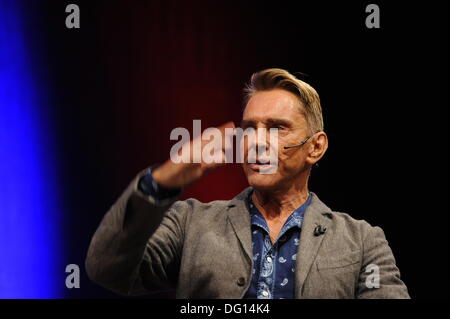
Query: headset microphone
[{"x": 298, "y": 145}]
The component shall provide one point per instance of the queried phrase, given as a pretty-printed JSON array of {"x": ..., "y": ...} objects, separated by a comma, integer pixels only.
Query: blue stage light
[{"x": 30, "y": 254}]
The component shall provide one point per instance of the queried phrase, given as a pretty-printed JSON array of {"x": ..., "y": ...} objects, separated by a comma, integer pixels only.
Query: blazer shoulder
[
  {"x": 340, "y": 221},
  {"x": 353, "y": 225}
]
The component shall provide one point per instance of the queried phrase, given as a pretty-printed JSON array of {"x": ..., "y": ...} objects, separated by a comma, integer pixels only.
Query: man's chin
[{"x": 262, "y": 181}]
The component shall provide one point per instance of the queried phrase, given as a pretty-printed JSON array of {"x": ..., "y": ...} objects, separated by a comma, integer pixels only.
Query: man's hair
[{"x": 270, "y": 79}]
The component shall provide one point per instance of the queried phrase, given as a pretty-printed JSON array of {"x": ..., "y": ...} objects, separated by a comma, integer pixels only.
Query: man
[{"x": 276, "y": 239}]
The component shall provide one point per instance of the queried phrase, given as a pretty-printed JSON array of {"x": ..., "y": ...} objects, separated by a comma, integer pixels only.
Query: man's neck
[{"x": 280, "y": 204}]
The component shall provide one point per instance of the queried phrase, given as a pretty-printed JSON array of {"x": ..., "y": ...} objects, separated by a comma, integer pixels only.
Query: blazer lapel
[
  {"x": 315, "y": 215},
  {"x": 239, "y": 216}
]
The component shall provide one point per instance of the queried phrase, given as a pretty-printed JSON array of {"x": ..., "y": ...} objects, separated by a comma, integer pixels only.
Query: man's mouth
[{"x": 260, "y": 165}]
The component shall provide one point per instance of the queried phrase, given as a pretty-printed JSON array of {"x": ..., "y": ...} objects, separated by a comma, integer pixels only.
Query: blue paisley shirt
[{"x": 273, "y": 273}]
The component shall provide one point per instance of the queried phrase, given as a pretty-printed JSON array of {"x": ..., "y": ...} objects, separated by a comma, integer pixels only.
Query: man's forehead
[
  {"x": 272, "y": 113},
  {"x": 275, "y": 104}
]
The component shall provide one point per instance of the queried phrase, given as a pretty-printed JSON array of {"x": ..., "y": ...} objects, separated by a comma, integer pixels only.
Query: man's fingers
[
  {"x": 227, "y": 132},
  {"x": 225, "y": 125}
]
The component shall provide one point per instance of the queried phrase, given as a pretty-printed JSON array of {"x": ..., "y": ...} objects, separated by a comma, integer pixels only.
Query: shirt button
[
  {"x": 241, "y": 281},
  {"x": 265, "y": 293},
  {"x": 269, "y": 259}
]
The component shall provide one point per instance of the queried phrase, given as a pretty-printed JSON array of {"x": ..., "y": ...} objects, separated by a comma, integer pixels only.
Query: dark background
[{"x": 137, "y": 69}]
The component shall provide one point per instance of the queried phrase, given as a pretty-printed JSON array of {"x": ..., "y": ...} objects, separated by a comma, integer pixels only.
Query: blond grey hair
[{"x": 308, "y": 97}]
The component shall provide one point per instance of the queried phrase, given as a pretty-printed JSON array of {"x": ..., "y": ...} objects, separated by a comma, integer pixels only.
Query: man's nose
[
  {"x": 260, "y": 148},
  {"x": 262, "y": 139},
  {"x": 259, "y": 143}
]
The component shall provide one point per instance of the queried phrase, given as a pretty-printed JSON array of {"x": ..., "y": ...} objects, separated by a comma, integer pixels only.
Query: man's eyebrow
[
  {"x": 283, "y": 122},
  {"x": 247, "y": 122},
  {"x": 269, "y": 121}
]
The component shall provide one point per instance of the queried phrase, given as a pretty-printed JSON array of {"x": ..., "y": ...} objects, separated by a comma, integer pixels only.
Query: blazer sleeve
[
  {"x": 137, "y": 247},
  {"x": 379, "y": 277}
]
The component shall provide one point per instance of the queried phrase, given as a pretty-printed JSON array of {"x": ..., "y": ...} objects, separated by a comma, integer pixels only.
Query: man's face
[{"x": 275, "y": 109}]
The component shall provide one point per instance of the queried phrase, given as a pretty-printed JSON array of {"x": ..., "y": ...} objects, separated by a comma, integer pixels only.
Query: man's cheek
[{"x": 283, "y": 160}]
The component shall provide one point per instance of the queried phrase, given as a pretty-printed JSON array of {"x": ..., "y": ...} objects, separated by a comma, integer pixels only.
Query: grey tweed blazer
[{"x": 204, "y": 250}]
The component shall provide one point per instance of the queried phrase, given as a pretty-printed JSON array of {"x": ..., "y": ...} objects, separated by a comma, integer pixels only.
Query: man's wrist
[{"x": 150, "y": 187}]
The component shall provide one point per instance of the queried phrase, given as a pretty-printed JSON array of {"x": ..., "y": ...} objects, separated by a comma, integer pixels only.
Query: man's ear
[{"x": 317, "y": 148}]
